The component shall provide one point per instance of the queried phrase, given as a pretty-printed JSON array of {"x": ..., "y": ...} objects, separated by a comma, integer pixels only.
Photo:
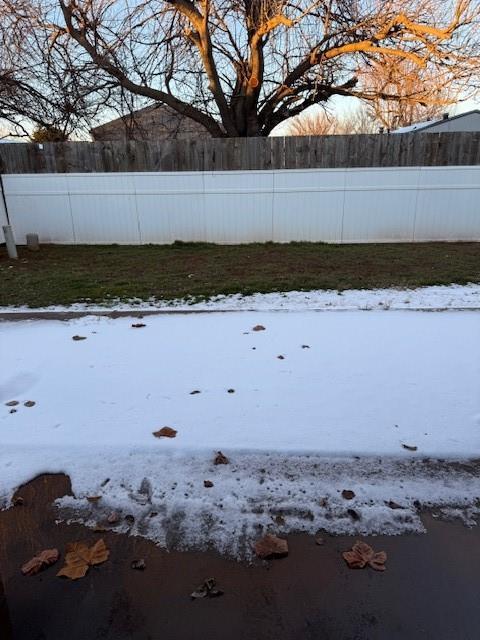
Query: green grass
[{"x": 62, "y": 275}]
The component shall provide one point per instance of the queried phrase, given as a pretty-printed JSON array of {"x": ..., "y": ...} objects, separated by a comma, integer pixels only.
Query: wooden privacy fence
[{"x": 242, "y": 154}]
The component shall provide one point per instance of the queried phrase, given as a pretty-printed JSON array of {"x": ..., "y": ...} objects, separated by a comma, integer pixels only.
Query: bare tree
[
  {"x": 44, "y": 88},
  {"x": 423, "y": 93},
  {"x": 241, "y": 67},
  {"x": 322, "y": 123}
]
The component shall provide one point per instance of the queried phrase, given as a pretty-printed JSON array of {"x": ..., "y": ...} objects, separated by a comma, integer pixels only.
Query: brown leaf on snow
[
  {"x": 220, "y": 458},
  {"x": 258, "y": 327},
  {"x": 94, "y": 498},
  {"x": 76, "y": 338},
  {"x": 29, "y": 403},
  {"x": 348, "y": 494},
  {"x": 138, "y": 325},
  {"x": 393, "y": 505},
  {"x": 12, "y": 403},
  {"x": 165, "y": 432},
  {"x": 113, "y": 518},
  {"x": 271, "y": 547},
  {"x": 362, "y": 555},
  {"x": 208, "y": 484},
  {"x": 41, "y": 561},
  {"x": 409, "y": 447},
  {"x": 79, "y": 558}
]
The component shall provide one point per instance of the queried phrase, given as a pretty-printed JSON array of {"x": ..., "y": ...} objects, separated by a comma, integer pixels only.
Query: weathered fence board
[{"x": 241, "y": 154}]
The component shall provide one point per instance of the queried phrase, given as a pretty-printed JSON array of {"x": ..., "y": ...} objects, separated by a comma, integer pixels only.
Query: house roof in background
[{"x": 430, "y": 123}]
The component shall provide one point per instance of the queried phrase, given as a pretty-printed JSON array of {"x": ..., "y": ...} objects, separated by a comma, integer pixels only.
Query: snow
[
  {"x": 333, "y": 414},
  {"x": 422, "y": 298},
  {"x": 417, "y": 126}
]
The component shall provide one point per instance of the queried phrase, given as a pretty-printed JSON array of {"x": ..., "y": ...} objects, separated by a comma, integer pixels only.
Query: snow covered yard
[{"x": 315, "y": 404}]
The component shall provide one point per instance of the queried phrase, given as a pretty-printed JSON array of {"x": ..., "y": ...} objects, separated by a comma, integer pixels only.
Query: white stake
[{"x": 10, "y": 241}]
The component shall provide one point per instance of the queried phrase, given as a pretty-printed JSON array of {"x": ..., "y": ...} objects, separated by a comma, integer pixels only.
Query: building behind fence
[{"x": 364, "y": 188}]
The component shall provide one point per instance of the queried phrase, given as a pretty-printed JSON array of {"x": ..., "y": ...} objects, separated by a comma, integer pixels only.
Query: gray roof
[{"x": 432, "y": 123}]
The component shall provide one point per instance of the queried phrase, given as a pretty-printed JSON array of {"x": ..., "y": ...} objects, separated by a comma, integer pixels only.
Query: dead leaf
[
  {"x": 29, "y": 403},
  {"x": 93, "y": 498},
  {"x": 139, "y": 565},
  {"x": 220, "y": 458},
  {"x": 271, "y": 547},
  {"x": 281, "y": 357},
  {"x": 165, "y": 432},
  {"x": 348, "y": 494},
  {"x": 393, "y": 505},
  {"x": 207, "y": 484},
  {"x": 362, "y": 555},
  {"x": 41, "y": 561},
  {"x": 230, "y": 390},
  {"x": 305, "y": 346},
  {"x": 79, "y": 558},
  {"x": 12, "y": 403},
  {"x": 258, "y": 327},
  {"x": 353, "y": 514},
  {"x": 76, "y": 338},
  {"x": 409, "y": 447},
  {"x": 113, "y": 518},
  {"x": 206, "y": 590},
  {"x": 138, "y": 325},
  {"x": 194, "y": 392}
]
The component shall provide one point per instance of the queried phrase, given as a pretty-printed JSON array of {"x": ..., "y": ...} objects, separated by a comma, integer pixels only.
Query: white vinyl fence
[{"x": 408, "y": 204}]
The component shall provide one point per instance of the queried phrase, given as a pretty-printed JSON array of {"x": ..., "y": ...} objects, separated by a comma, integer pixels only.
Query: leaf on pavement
[
  {"x": 271, "y": 546},
  {"x": 165, "y": 432},
  {"x": 206, "y": 590},
  {"x": 39, "y": 562},
  {"x": 80, "y": 557},
  {"x": 362, "y": 555}
]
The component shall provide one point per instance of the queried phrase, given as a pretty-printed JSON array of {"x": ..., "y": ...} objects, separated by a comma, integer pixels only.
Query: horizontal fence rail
[
  {"x": 407, "y": 204},
  {"x": 242, "y": 154}
]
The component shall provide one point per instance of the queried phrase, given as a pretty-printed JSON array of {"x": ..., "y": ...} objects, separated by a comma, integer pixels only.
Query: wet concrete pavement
[{"x": 429, "y": 591}]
